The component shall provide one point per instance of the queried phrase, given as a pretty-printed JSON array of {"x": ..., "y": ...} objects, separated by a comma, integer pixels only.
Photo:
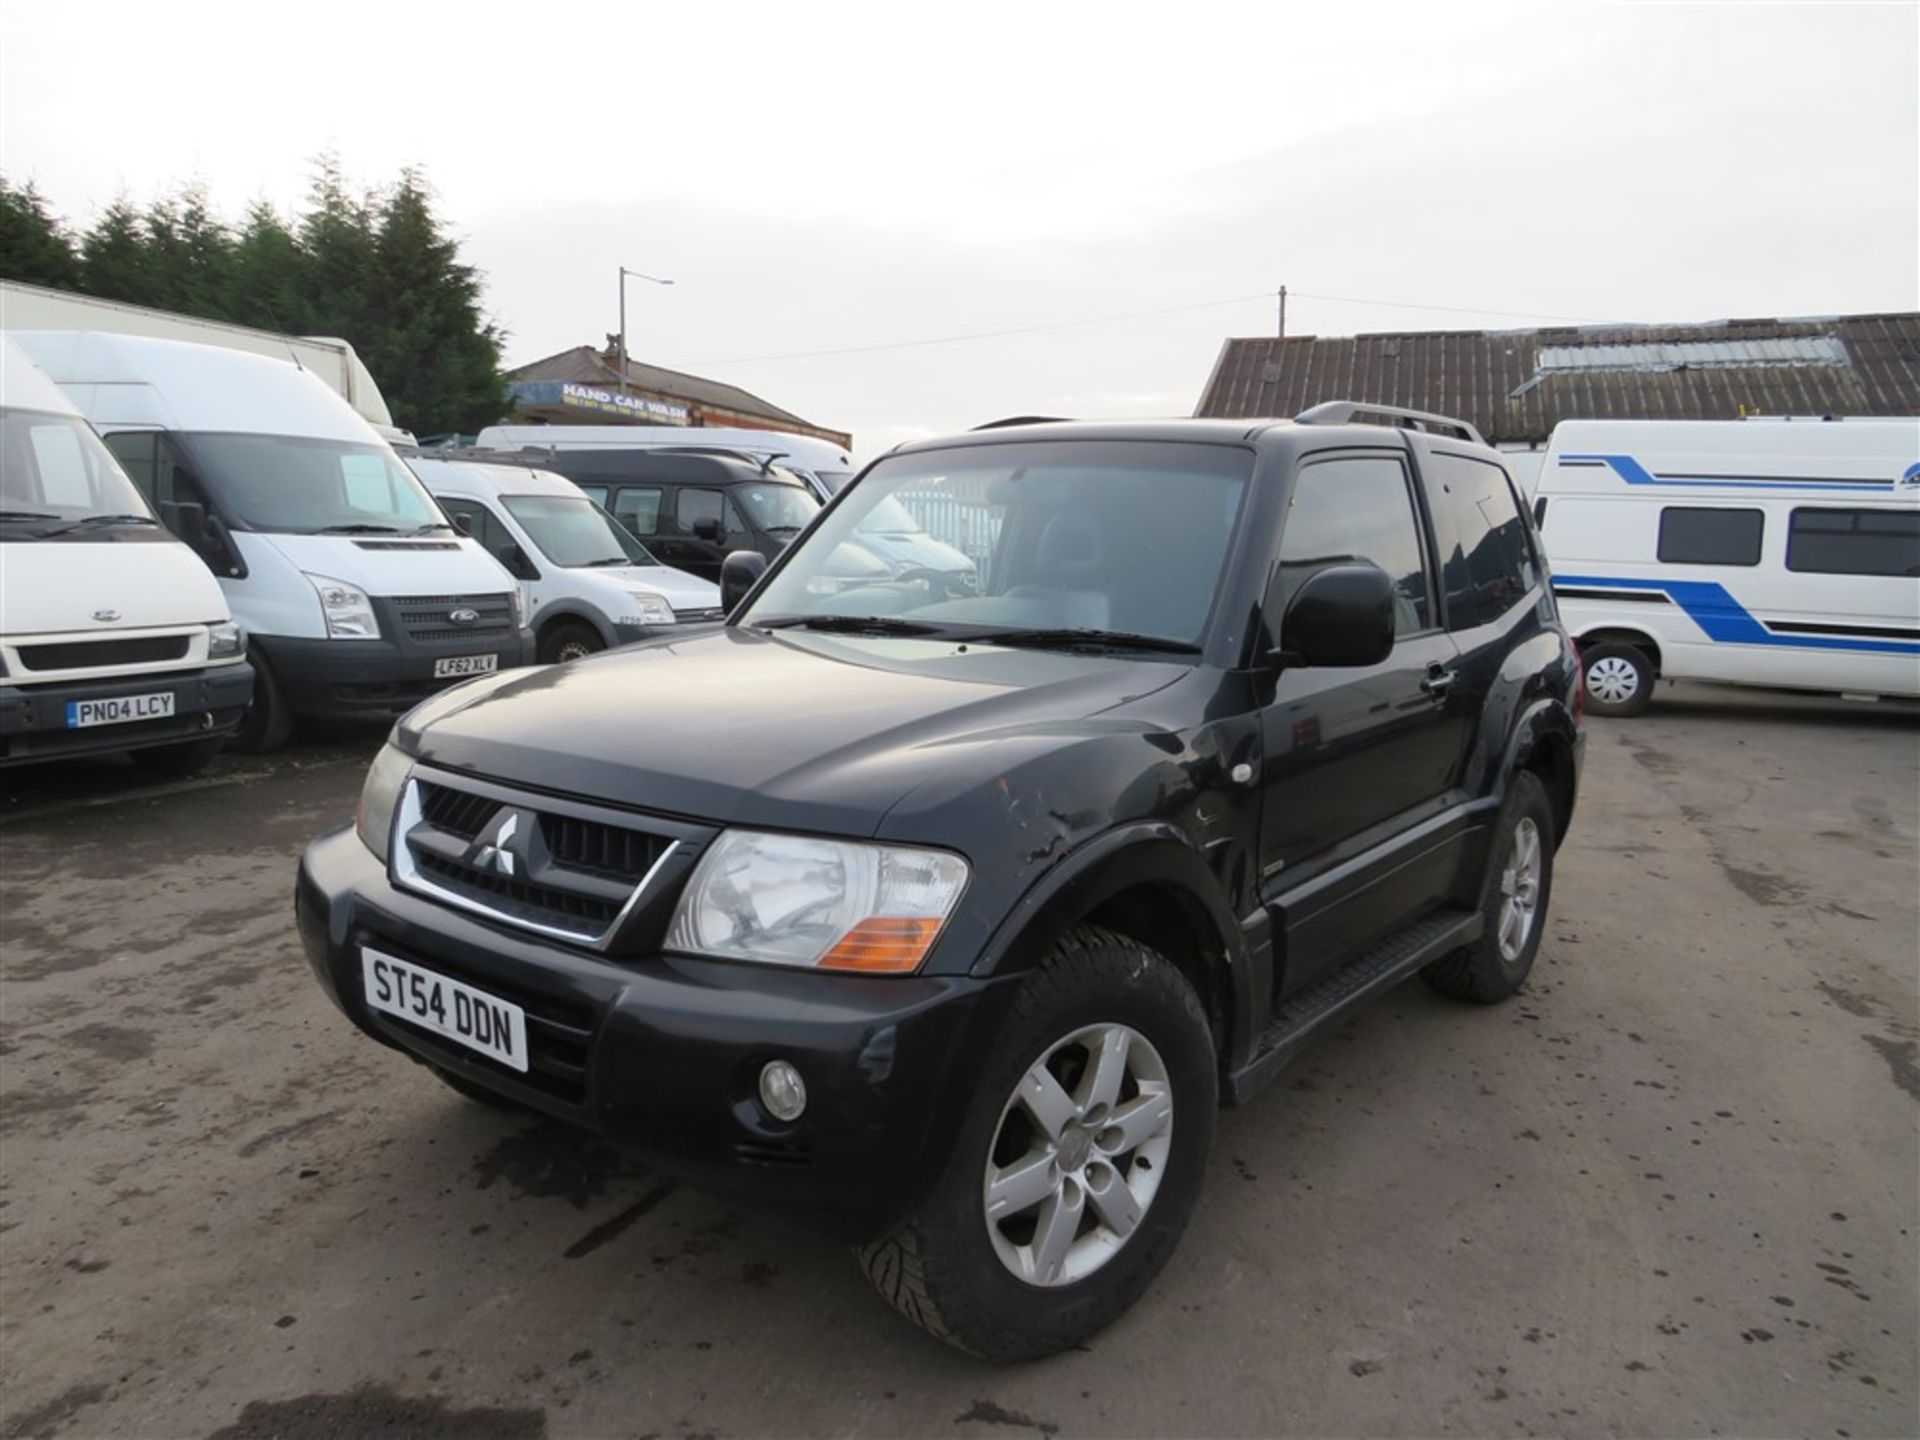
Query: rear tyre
[
  {"x": 176, "y": 762},
  {"x": 269, "y": 723},
  {"x": 1514, "y": 902},
  {"x": 568, "y": 640},
  {"x": 1619, "y": 680},
  {"x": 1077, "y": 1165}
]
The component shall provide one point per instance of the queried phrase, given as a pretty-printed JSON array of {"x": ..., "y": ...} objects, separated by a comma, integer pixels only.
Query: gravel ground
[{"x": 1672, "y": 1189}]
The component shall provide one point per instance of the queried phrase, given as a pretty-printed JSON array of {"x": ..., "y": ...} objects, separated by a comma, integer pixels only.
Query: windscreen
[
  {"x": 1066, "y": 535},
  {"x": 54, "y": 471},
  {"x": 293, "y": 485},
  {"x": 572, "y": 531}
]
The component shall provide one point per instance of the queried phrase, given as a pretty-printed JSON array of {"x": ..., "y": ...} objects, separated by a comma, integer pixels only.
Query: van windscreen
[
  {"x": 294, "y": 485},
  {"x": 54, "y": 472}
]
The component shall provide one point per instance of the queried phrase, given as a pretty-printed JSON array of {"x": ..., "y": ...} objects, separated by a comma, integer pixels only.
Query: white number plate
[
  {"x": 465, "y": 665},
  {"x": 118, "y": 711},
  {"x": 473, "y": 1018}
]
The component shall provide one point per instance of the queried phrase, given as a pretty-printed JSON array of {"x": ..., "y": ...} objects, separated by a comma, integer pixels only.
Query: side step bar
[{"x": 1389, "y": 962}]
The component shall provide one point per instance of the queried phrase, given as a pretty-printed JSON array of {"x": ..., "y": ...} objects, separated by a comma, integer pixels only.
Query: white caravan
[
  {"x": 113, "y": 635},
  {"x": 825, "y": 466},
  {"x": 357, "y": 596},
  {"x": 33, "y": 307},
  {"x": 587, "y": 582},
  {"x": 1754, "y": 552}
]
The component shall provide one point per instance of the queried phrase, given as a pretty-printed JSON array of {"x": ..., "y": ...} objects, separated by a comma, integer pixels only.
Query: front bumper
[
  {"x": 662, "y": 1054},
  {"x": 375, "y": 677},
  {"x": 206, "y": 702}
]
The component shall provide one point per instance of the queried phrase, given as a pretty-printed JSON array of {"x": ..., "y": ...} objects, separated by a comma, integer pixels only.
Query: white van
[
  {"x": 357, "y": 596},
  {"x": 1752, "y": 552},
  {"x": 113, "y": 636},
  {"x": 587, "y": 583},
  {"x": 825, "y": 466}
]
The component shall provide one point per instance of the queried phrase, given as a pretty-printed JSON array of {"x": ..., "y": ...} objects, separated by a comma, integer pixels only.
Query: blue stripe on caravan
[
  {"x": 1726, "y": 620},
  {"x": 1634, "y": 473}
]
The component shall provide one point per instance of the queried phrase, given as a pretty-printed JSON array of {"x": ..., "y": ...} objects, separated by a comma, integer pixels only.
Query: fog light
[{"x": 782, "y": 1090}]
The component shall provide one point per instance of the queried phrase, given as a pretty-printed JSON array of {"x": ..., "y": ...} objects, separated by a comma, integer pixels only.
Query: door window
[
  {"x": 137, "y": 451},
  {"x": 1355, "y": 508},
  {"x": 481, "y": 525},
  {"x": 1709, "y": 535},
  {"x": 1854, "y": 542},
  {"x": 638, "y": 510},
  {"x": 1487, "y": 559},
  {"x": 698, "y": 504}
]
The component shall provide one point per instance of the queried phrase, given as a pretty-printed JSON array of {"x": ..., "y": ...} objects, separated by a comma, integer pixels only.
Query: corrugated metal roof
[{"x": 1499, "y": 381}]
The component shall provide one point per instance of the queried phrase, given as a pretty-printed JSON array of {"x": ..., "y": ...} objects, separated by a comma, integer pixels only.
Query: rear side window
[
  {"x": 638, "y": 510},
  {"x": 1355, "y": 509},
  {"x": 1703, "y": 535},
  {"x": 1854, "y": 542},
  {"x": 1486, "y": 553}
]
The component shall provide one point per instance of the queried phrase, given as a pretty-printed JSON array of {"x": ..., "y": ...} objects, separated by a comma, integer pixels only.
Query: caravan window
[
  {"x": 1854, "y": 542},
  {"x": 1703, "y": 535}
]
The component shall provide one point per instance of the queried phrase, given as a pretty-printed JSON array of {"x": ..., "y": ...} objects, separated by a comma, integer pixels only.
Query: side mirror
[
  {"x": 463, "y": 522},
  {"x": 187, "y": 519},
  {"x": 739, "y": 573},
  {"x": 1342, "y": 616},
  {"x": 708, "y": 529}
]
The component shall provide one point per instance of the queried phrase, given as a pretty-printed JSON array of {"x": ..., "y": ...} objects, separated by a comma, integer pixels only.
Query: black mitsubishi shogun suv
[{"x": 944, "y": 920}]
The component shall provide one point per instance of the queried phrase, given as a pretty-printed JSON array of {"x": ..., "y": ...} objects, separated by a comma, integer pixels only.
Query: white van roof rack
[{"x": 1347, "y": 412}]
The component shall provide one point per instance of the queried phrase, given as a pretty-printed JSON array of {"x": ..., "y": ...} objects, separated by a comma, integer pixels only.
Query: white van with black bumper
[
  {"x": 357, "y": 596},
  {"x": 113, "y": 636}
]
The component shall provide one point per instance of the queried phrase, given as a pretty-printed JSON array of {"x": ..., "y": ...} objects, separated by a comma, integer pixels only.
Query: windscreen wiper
[
  {"x": 1065, "y": 638},
  {"x": 429, "y": 527},
  {"x": 10, "y": 515},
  {"x": 358, "y": 527},
  {"x": 94, "y": 522},
  {"x": 853, "y": 625},
  {"x": 610, "y": 560}
]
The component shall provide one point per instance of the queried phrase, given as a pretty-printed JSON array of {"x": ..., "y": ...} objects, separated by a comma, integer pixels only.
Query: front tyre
[
  {"x": 1078, "y": 1163},
  {"x": 1513, "y": 902},
  {"x": 568, "y": 640},
  {"x": 1619, "y": 680}
]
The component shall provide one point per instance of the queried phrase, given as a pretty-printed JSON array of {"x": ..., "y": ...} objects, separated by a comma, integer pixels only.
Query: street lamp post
[{"x": 626, "y": 385}]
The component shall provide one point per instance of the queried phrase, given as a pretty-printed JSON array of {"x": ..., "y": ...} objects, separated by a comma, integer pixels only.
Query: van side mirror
[
  {"x": 187, "y": 519},
  {"x": 708, "y": 529},
  {"x": 463, "y": 522},
  {"x": 739, "y": 573},
  {"x": 1341, "y": 617},
  {"x": 517, "y": 563}
]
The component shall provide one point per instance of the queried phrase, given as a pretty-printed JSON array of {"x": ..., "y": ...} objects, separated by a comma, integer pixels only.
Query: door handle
[{"x": 1437, "y": 683}]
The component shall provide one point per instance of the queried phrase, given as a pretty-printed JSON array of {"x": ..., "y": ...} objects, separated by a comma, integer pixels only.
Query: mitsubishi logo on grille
[
  {"x": 464, "y": 617},
  {"x": 494, "y": 849}
]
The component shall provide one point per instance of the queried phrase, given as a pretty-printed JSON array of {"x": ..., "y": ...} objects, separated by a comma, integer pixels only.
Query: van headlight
[
  {"x": 650, "y": 607},
  {"x": 386, "y": 777},
  {"x": 225, "y": 640},
  {"x": 349, "y": 613},
  {"x": 816, "y": 903}
]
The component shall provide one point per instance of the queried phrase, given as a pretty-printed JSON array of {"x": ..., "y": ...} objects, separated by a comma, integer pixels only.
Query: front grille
[
  {"x": 532, "y": 866},
  {"x": 84, "y": 654},
  {"x": 429, "y": 617},
  {"x": 559, "y": 1034}
]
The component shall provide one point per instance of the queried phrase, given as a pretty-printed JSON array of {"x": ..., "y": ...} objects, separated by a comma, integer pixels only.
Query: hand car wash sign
[{"x": 588, "y": 399}]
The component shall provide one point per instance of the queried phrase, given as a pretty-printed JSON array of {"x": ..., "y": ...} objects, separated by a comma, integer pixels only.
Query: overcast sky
[{"x": 825, "y": 178}]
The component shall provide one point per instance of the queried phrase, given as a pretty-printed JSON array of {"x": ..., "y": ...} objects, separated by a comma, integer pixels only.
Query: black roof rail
[
  {"x": 1346, "y": 412},
  {"x": 1023, "y": 420}
]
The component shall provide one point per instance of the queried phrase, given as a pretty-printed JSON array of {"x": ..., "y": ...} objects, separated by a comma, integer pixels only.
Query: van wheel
[
  {"x": 1077, "y": 1165},
  {"x": 1619, "y": 680},
  {"x": 176, "y": 762},
  {"x": 568, "y": 640},
  {"x": 269, "y": 723},
  {"x": 1513, "y": 903}
]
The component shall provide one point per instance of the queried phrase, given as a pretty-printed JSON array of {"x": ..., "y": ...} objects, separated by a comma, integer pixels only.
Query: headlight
[
  {"x": 650, "y": 608},
  {"x": 825, "y": 904},
  {"x": 378, "y": 796},
  {"x": 349, "y": 613},
  {"x": 224, "y": 640}
]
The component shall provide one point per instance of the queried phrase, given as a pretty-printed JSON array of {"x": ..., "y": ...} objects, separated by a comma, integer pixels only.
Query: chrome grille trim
[{"x": 409, "y": 875}]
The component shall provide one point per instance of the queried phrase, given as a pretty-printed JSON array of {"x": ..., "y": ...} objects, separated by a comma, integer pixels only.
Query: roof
[
  {"x": 697, "y": 467},
  {"x": 584, "y": 365},
  {"x": 466, "y": 474},
  {"x": 1514, "y": 386}
]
